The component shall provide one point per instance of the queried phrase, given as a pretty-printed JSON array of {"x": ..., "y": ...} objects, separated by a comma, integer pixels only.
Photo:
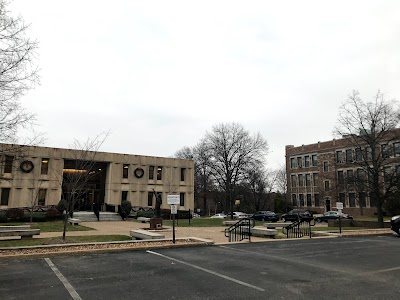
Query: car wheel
[{"x": 318, "y": 220}]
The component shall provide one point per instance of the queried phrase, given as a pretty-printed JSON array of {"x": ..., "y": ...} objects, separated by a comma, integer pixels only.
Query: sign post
[
  {"x": 339, "y": 206},
  {"x": 174, "y": 201}
]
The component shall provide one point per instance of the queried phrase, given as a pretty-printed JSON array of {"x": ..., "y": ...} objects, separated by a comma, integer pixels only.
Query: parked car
[
  {"x": 332, "y": 215},
  {"x": 265, "y": 216},
  {"x": 297, "y": 214},
  {"x": 395, "y": 224},
  {"x": 237, "y": 215},
  {"x": 218, "y": 216}
]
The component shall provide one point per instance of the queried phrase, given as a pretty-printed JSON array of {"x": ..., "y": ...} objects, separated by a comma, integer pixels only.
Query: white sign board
[
  {"x": 173, "y": 199},
  {"x": 339, "y": 205},
  {"x": 174, "y": 209}
]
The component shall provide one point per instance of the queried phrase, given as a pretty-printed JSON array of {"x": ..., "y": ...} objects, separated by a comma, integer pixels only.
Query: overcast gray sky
[{"x": 159, "y": 74}]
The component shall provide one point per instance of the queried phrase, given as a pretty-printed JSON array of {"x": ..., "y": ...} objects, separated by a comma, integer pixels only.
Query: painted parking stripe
[
  {"x": 64, "y": 280},
  {"x": 208, "y": 271}
]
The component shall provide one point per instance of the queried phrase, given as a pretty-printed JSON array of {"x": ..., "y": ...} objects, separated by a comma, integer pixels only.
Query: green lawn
[
  {"x": 69, "y": 239},
  {"x": 53, "y": 226}
]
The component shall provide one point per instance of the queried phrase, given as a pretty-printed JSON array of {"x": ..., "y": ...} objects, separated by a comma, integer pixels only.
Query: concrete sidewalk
[{"x": 215, "y": 234}]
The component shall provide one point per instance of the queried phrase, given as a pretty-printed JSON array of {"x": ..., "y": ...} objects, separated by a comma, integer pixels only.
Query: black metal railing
[
  {"x": 299, "y": 229},
  {"x": 240, "y": 231}
]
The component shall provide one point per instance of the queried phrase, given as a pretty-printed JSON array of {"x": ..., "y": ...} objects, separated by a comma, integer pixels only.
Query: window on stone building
[
  {"x": 385, "y": 151},
  {"x": 349, "y": 176},
  {"x": 316, "y": 200},
  {"x": 124, "y": 196},
  {"x": 293, "y": 180},
  {"x": 5, "y": 195},
  {"x": 301, "y": 200},
  {"x": 308, "y": 179},
  {"x": 358, "y": 154},
  {"x": 292, "y": 163},
  {"x": 301, "y": 180},
  {"x": 326, "y": 185},
  {"x": 159, "y": 173},
  {"x": 42, "y": 197},
  {"x": 294, "y": 200},
  {"x": 125, "y": 171},
  {"x": 360, "y": 174},
  {"x": 368, "y": 153},
  {"x": 352, "y": 199},
  {"x": 315, "y": 179},
  {"x": 342, "y": 199},
  {"x": 306, "y": 161},
  {"x": 340, "y": 177},
  {"x": 8, "y": 163},
  {"x": 349, "y": 155},
  {"x": 387, "y": 174},
  {"x": 339, "y": 156},
  {"x": 396, "y": 149},
  {"x": 362, "y": 201},
  {"x": 314, "y": 160},
  {"x": 300, "y": 162},
  {"x": 44, "y": 167},
  {"x": 182, "y": 199},
  {"x": 308, "y": 200},
  {"x": 325, "y": 167},
  {"x": 150, "y": 196},
  {"x": 151, "y": 172},
  {"x": 183, "y": 172}
]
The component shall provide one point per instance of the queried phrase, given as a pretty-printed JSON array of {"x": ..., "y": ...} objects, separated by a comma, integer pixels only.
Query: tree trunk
[{"x": 379, "y": 211}]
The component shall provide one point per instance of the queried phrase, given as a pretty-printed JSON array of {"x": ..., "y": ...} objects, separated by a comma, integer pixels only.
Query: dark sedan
[
  {"x": 297, "y": 214},
  {"x": 395, "y": 224},
  {"x": 332, "y": 215},
  {"x": 265, "y": 216}
]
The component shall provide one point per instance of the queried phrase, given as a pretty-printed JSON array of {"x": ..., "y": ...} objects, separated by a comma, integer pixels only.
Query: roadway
[{"x": 348, "y": 267}]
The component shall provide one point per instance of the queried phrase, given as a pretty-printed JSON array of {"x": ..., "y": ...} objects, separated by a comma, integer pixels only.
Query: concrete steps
[{"x": 88, "y": 216}]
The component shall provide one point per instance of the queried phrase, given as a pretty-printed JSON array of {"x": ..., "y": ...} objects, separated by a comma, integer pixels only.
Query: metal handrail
[
  {"x": 240, "y": 230},
  {"x": 298, "y": 229}
]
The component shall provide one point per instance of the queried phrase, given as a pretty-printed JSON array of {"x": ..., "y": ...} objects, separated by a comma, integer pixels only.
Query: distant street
[{"x": 338, "y": 268}]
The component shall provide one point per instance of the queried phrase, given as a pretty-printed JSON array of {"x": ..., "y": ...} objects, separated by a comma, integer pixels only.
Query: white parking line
[
  {"x": 208, "y": 271},
  {"x": 382, "y": 271},
  {"x": 64, "y": 281}
]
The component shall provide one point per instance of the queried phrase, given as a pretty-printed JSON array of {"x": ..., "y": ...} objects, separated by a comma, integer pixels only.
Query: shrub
[
  {"x": 53, "y": 214},
  {"x": 62, "y": 205},
  {"x": 14, "y": 214},
  {"x": 146, "y": 214},
  {"x": 126, "y": 206}
]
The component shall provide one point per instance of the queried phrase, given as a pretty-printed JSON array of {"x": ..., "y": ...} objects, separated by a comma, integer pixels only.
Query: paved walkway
[{"x": 123, "y": 227}]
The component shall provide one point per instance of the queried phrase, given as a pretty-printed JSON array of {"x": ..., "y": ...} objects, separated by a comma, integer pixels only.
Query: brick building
[{"x": 317, "y": 174}]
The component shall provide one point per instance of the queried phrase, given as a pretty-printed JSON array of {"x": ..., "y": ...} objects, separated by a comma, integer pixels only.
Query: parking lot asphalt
[{"x": 347, "y": 267}]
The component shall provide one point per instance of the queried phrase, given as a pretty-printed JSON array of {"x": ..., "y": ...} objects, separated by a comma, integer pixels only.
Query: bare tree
[
  {"x": 232, "y": 151},
  {"x": 18, "y": 72},
  {"x": 371, "y": 128},
  {"x": 78, "y": 171}
]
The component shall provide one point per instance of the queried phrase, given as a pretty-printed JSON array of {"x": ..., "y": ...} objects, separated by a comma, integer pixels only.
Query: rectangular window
[
  {"x": 349, "y": 176},
  {"x": 342, "y": 198},
  {"x": 385, "y": 151},
  {"x": 151, "y": 172},
  {"x": 368, "y": 153},
  {"x": 300, "y": 162},
  {"x": 362, "y": 199},
  {"x": 349, "y": 155},
  {"x": 340, "y": 176},
  {"x": 306, "y": 161},
  {"x": 292, "y": 163},
  {"x": 44, "y": 167},
  {"x": 159, "y": 173},
  {"x": 326, "y": 185},
  {"x": 396, "y": 149},
  {"x": 42, "y": 197},
  {"x": 8, "y": 163},
  {"x": 308, "y": 179},
  {"x": 387, "y": 174},
  {"x": 125, "y": 171},
  {"x": 124, "y": 196},
  {"x": 315, "y": 179},
  {"x": 150, "y": 198},
  {"x": 316, "y": 200},
  {"x": 294, "y": 200},
  {"x": 314, "y": 160},
  {"x": 339, "y": 157},
  {"x": 301, "y": 200},
  {"x": 182, "y": 199},
  {"x": 326, "y": 169},
  {"x": 308, "y": 200},
  {"x": 301, "y": 180},
  {"x": 293, "y": 180},
  {"x": 183, "y": 172},
  {"x": 360, "y": 174},
  {"x": 352, "y": 199},
  {"x": 5, "y": 195},
  {"x": 359, "y": 156}
]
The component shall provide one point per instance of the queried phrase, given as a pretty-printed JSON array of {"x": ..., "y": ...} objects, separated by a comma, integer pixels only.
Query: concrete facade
[
  {"x": 316, "y": 175},
  {"x": 36, "y": 174}
]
